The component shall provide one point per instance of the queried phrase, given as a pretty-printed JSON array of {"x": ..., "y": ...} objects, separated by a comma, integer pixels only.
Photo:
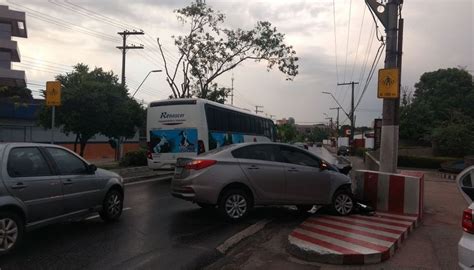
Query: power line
[
  {"x": 42, "y": 60},
  {"x": 59, "y": 22},
  {"x": 372, "y": 71},
  {"x": 363, "y": 68},
  {"x": 110, "y": 21},
  {"x": 335, "y": 38},
  {"x": 358, "y": 44},
  {"x": 348, "y": 35}
]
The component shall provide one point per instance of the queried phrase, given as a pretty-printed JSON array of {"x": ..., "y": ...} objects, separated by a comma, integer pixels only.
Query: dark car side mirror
[{"x": 91, "y": 168}]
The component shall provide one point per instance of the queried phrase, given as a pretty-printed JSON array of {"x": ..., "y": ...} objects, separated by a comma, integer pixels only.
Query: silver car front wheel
[
  {"x": 112, "y": 205},
  {"x": 343, "y": 203}
]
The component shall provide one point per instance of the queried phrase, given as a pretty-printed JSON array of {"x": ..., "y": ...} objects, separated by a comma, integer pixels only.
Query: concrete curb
[
  {"x": 131, "y": 169},
  {"x": 237, "y": 238},
  {"x": 166, "y": 176}
]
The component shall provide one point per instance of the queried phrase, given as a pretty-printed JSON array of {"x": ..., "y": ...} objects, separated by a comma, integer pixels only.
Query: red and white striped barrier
[
  {"x": 392, "y": 193},
  {"x": 353, "y": 239}
]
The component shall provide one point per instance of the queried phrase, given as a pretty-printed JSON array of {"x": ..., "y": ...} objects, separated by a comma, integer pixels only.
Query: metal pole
[
  {"x": 124, "y": 51},
  {"x": 337, "y": 125},
  {"x": 53, "y": 112},
  {"x": 232, "y": 95},
  {"x": 352, "y": 117},
  {"x": 390, "y": 119}
]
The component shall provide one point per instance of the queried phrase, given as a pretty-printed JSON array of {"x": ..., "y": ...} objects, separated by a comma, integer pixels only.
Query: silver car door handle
[
  {"x": 19, "y": 186},
  {"x": 253, "y": 167},
  {"x": 68, "y": 182}
]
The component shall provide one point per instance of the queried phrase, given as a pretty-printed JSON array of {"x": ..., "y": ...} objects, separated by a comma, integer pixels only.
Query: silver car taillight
[{"x": 199, "y": 164}]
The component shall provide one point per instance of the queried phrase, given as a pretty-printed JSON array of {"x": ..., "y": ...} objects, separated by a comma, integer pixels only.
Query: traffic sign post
[{"x": 53, "y": 99}]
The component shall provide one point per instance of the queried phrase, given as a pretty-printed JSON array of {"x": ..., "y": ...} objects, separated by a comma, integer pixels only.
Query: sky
[{"x": 438, "y": 34}]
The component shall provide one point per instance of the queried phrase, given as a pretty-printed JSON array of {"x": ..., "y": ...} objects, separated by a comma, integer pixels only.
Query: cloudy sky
[{"x": 438, "y": 34}]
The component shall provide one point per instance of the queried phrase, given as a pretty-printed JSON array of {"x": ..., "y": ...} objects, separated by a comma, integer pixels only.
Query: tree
[
  {"x": 443, "y": 101},
  {"x": 94, "y": 102},
  {"x": 286, "y": 132},
  {"x": 209, "y": 50},
  {"x": 319, "y": 134},
  {"x": 16, "y": 94}
]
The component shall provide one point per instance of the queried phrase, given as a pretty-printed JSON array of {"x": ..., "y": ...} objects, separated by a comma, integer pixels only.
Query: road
[{"x": 156, "y": 232}]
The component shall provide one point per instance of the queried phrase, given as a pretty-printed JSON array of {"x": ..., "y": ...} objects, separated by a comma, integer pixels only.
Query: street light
[
  {"x": 328, "y": 93},
  {"x": 156, "y": 70}
]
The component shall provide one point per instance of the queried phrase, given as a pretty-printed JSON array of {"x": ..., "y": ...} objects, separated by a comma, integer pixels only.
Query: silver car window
[
  {"x": 67, "y": 163},
  {"x": 259, "y": 152},
  {"x": 295, "y": 156},
  {"x": 27, "y": 162}
]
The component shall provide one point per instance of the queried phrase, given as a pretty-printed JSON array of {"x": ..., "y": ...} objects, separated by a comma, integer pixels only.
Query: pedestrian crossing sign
[
  {"x": 53, "y": 93},
  {"x": 389, "y": 83}
]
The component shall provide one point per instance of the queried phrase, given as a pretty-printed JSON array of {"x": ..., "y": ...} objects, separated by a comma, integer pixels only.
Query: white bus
[{"x": 188, "y": 127}]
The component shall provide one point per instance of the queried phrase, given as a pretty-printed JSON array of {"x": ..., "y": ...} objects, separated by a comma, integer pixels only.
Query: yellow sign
[
  {"x": 53, "y": 93},
  {"x": 389, "y": 83}
]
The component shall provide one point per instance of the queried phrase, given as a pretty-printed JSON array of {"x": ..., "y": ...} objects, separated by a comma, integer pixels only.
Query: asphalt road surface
[{"x": 156, "y": 232}]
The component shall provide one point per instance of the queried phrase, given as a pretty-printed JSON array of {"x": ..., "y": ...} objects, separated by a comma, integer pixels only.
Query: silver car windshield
[{"x": 216, "y": 150}]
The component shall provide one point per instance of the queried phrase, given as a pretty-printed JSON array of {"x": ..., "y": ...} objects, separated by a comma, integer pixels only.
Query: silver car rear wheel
[
  {"x": 236, "y": 206},
  {"x": 343, "y": 203},
  {"x": 11, "y": 231}
]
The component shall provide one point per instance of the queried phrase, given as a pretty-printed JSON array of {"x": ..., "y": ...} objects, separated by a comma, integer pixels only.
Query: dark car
[{"x": 343, "y": 151}]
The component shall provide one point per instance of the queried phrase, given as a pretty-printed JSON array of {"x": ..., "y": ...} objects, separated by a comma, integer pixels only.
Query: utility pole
[
  {"x": 351, "y": 116},
  {"x": 124, "y": 48},
  {"x": 330, "y": 122},
  {"x": 257, "y": 107},
  {"x": 232, "y": 89},
  {"x": 337, "y": 125},
  {"x": 389, "y": 17}
]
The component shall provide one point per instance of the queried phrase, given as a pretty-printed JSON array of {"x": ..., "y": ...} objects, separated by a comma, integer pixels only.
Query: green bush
[
  {"x": 422, "y": 162},
  {"x": 135, "y": 158}
]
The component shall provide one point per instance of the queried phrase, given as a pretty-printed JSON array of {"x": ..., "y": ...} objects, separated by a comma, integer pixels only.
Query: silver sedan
[{"x": 237, "y": 177}]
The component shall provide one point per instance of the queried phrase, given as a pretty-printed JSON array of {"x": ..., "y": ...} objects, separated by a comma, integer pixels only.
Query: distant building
[
  {"x": 12, "y": 23},
  {"x": 284, "y": 121},
  {"x": 281, "y": 122},
  {"x": 19, "y": 123}
]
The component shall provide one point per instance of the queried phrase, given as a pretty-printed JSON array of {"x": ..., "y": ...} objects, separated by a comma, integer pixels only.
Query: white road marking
[
  {"x": 235, "y": 239},
  {"x": 96, "y": 216}
]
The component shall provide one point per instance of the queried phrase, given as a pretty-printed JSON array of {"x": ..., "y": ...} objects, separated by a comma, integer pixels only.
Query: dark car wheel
[
  {"x": 304, "y": 208},
  {"x": 11, "y": 231},
  {"x": 112, "y": 206},
  {"x": 235, "y": 204},
  {"x": 206, "y": 205},
  {"x": 343, "y": 202}
]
